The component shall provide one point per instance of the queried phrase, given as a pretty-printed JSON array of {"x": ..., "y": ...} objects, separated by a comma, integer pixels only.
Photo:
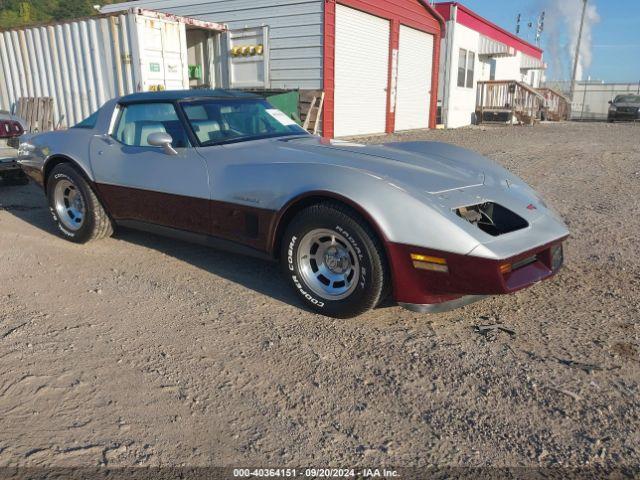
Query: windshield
[
  {"x": 627, "y": 99},
  {"x": 216, "y": 121}
]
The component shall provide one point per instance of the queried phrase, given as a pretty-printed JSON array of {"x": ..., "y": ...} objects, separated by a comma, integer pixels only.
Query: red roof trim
[
  {"x": 436, "y": 14},
  {"x": 471, "y": 19}
]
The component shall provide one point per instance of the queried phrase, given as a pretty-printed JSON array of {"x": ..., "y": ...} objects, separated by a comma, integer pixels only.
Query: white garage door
[
  {"x": 361, "y": 72},
  {"x": 415, "y": 61}
]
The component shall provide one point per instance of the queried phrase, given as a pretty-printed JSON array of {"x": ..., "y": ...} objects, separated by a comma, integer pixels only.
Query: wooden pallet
[{"x": 37, "y": 112}]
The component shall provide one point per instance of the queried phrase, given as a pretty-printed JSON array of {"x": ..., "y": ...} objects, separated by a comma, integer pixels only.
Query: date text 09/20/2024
[{"x": 316, "y": 472}]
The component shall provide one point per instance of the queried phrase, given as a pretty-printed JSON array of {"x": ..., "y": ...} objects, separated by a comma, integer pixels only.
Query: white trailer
[
  {"x": 83, "y": 63},
  {"x": 475, "y": 49}
]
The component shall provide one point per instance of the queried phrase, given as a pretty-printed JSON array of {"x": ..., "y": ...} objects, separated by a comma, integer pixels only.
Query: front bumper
[
  {"x": 624, "y": 116},
  {"x": 8, "y": 158},
  {"x": 8, "y": 165},
  {"x": 467, "y": 275}
]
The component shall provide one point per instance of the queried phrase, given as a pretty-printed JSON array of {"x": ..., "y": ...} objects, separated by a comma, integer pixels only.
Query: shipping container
[
  {"x": 83, "y": 63},
  {"x": 294, "y": 36}
]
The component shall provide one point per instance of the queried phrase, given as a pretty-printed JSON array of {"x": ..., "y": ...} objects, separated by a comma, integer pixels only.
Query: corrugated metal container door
[
  {"x": 361, "y": 72},
  {"x": 295, "y": 32},
  {"x": 415, "y": 66},
  {"x": 163, "y": 56}
]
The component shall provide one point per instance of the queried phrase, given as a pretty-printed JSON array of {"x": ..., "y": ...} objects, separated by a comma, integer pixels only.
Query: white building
[{"x": 475, "y": 49}]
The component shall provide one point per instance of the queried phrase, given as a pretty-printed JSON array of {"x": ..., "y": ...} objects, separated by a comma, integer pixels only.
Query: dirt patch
[
  {"x": 626, "y": 350},
  {"x": 139, "y": 350}
]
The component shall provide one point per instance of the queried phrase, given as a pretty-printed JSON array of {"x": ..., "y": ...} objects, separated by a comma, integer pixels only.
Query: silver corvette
[{"x": 434, "y": 225}]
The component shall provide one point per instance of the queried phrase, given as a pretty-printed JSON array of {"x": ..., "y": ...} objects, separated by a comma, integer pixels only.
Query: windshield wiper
[{"x": 210, "y": 143}]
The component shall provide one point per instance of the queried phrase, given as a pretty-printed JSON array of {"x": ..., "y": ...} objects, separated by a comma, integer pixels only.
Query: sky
[{"x": 612, "y": 32}]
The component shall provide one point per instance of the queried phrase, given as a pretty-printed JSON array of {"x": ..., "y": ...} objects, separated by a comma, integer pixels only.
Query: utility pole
[
  {"x": 577, "y": 56},
  {"x": 540, "y": 28}
]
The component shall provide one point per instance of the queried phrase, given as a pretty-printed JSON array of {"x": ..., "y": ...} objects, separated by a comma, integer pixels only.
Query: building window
[
  {"x": 471, "y": 61},
  {"x": 462, "y": 67},
  {"x": 466, "y": 66}
]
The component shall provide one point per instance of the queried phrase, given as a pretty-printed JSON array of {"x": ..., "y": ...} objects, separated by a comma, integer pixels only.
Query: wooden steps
[{"x": 508, "y": 101}]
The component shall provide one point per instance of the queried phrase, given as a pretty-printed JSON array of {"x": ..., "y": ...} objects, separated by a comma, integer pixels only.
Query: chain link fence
[{"x": 591, "y": 99}]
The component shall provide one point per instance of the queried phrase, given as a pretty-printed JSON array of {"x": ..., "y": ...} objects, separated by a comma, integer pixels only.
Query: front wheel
[
  {"x": 74, "y": 206},
  {"x": 334, "y": 261}
]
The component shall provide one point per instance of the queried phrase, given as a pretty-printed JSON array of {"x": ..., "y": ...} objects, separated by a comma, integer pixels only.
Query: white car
[{"x": 10, "y": 130}]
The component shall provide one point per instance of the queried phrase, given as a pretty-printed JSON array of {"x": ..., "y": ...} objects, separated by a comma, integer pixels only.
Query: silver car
[{"x": 434, "y": 225}]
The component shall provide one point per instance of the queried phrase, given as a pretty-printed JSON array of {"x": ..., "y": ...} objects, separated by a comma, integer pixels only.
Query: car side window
[{"x": 139, "y": 120}]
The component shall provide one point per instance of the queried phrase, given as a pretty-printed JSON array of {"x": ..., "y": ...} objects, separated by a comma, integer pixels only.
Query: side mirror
[
  {"x": 162, "y": 139},
  {"x": 610, "y": 102}
]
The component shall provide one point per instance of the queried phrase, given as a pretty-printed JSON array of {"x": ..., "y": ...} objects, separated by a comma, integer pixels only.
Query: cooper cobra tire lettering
[
  {"x": 305, "y": 294},
  {"x": 296, "y": 282},
  {"x": 364, "y": 244},
  {"x": 65, "y": 232},
  {"x": 290, "y": 253},
  {"x": 53, "y": 214}
]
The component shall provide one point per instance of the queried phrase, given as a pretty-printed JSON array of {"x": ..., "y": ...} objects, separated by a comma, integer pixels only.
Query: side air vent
[
  {"x": 252, "y": 225},
  {"x": 492, "y": 218}
]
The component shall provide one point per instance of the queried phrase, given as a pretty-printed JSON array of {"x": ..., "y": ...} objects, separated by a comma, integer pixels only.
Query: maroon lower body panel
[
  {"x": 247, "y": 226},
  {"x": 467, "y": 275},
  {"x": 175, "y": 211}
]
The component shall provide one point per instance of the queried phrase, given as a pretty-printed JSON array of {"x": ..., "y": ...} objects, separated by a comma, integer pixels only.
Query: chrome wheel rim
[
  {"x": 69, "y": 204},
  {"x": 328, "y": 264}
]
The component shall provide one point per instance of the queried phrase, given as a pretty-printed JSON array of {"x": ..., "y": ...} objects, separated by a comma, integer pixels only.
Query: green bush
[{"x": 20, "y": 13}]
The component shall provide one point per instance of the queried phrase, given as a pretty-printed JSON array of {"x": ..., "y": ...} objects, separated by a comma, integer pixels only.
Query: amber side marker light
[
  {"x": 505, "y": 268},
  {"x": 427, "y": 262}
]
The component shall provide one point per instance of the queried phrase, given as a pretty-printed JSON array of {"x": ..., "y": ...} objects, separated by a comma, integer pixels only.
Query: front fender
[{"x": 399, "y": 216}]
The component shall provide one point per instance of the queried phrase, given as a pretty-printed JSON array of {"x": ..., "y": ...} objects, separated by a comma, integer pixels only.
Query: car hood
[{"x": 430, "y": 167}]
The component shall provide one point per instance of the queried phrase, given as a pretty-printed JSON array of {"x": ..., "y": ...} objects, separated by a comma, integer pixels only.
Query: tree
[{"x": 20, "y": 13}]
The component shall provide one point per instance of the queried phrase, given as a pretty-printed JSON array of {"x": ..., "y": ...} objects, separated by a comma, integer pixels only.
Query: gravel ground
[{"x": 138, "y": 350}]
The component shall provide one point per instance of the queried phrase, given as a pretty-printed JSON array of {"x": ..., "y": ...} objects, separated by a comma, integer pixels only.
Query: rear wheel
[
  {"x": 334, "y": 261},
  {"x": 78, "y": 213}
]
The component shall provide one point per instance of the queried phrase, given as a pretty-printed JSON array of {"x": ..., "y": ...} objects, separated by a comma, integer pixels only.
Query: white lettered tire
[
  {"x": 334, "y": 261},
  {"x": 77, "y": 212}
]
